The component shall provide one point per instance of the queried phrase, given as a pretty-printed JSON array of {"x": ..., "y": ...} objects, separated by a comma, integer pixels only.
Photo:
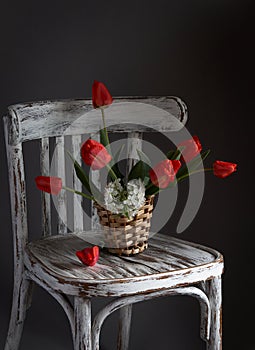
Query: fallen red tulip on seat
[{"x": 88, "y": 256}]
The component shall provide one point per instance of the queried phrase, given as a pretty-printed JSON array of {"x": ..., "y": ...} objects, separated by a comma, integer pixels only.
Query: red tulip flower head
[
  {"x": 223, "y": 169},
  {"x": 164, "y": 172},
  {"x": 50, "y": 184},
  {"x": 95, "y": 154},
  {"x": 191, "y": 148},
  {"x": 88, "y": 256},
  {"x": 100, "y": 95}
]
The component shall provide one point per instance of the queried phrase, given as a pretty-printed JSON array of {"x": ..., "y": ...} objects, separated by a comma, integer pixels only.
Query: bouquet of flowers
[{"x": 126, "y": 201}]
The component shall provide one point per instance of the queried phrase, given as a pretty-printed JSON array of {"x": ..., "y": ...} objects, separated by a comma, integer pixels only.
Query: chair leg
[
  {"x": 124, "y": 327},
  {"x": 82, "y": 324},
  {"x": 214, "y": 293},
  {"x": 22, "y": 293}
]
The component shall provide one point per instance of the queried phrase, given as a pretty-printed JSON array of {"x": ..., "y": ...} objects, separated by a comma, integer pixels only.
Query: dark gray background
[{"x": 197, "y": 50}]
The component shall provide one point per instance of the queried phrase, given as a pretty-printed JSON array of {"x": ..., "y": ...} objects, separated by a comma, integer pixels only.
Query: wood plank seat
[{"x": 169, "y": 261}]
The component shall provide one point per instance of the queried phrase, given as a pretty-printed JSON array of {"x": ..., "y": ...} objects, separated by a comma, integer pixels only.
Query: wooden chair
[{"x": 169, "y": 266}]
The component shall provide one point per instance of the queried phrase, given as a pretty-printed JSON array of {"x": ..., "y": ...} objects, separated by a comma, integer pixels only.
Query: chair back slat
[
  {"x": 45, "y": 170},
  {"x": 77, "y": 199},
  {"x": 134, "y": 144},
  {"x": 60, "y": 171}
]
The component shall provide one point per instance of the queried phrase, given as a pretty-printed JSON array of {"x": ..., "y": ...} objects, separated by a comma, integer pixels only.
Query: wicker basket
[{"x": 126, "y": 236}]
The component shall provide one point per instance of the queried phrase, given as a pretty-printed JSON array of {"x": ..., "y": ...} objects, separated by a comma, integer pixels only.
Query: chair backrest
[{"x": 72, "y": 118}]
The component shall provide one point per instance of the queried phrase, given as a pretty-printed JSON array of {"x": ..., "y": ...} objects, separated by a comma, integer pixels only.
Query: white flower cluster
[{"x": 127, "y": 201}]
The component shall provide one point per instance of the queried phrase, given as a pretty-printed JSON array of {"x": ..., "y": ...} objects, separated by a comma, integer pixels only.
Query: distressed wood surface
[
  {"x": 77, "y": 200},
  {"x": 21, "y": 298},
  {"x": 126, "y": 301},
  {"x": 82, "y": 317},
  {"x": 134, "y": 144},
  {"x": 61, "y": 201},
  {"x": 73, "y": 117},
  {"x": 168, "y": 262},
  {"x": 213, "y": 289},
  {"x": 21, "y": 287},
  {"x": 125, "y": 318},
  {"x": 45, "y": 170}
]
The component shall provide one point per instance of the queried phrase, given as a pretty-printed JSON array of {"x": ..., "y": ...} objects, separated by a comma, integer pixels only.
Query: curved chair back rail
[{"x": 30, "y": 121}]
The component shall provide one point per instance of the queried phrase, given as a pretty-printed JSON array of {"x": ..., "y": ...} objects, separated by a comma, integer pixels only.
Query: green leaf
[
  {"x": 115, "y": 161},
  {"x": 146, "y": 181},
  {"x": 174, "y": 155},
  {"x": 193, "y": 164},
  {"x": 152, "y": 190},
  {"x": 139, "y": 170},
  {"x": 82, "y": 176}
]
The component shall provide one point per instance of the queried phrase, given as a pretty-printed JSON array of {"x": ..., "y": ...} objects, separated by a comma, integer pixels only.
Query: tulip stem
[
  {"x": 149, "y": 185},
  {"x": 105, "y": 130},
  {"x": 111, "y": 171},
  {"x": 194, "y": 172},
  {"x": 78, "y": 192},
  {"x": 181, "y": 178}
]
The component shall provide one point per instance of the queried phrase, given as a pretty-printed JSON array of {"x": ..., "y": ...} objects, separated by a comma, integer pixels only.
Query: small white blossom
[{"x": 127, "y": 201}]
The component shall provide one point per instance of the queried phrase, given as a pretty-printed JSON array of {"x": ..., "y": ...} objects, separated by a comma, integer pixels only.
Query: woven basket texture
[{"x": 126, "y": 236}]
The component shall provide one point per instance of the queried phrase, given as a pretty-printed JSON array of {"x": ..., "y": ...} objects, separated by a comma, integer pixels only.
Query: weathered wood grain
[
  {"x": 45, "y": 171},
  {"x": 61, "y": 201},
  {"x": 76, "y": 142},
  {"x": 21, "y": 298},
  {"x": 167, "y": 263},
  {"x": 134, "y": 144},
  {"x": 213, "y": 289},
  {"x": 125, "y": 317},
  {"x": 74, "y": 117},
  {"x": 122, "y": 302},
  {"x": 82, "y": 317},
  {"x": 21, "y": 287}
]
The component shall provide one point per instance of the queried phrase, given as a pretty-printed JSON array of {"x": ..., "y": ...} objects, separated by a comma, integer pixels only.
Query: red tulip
[
  {"x": 223, "y": 169},
  {"x": 100, "y": 95},
  {"x": 191, "y": 148},
  {"x": 88, "y": 256},
  {"x": 50, "y": 184},
  {"x": 95, "y": 154},
  {"x": 164, "y": 172}
]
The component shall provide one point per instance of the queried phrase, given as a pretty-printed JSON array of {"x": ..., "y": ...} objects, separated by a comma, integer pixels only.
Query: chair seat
[{"x": 168, "y": 262}]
